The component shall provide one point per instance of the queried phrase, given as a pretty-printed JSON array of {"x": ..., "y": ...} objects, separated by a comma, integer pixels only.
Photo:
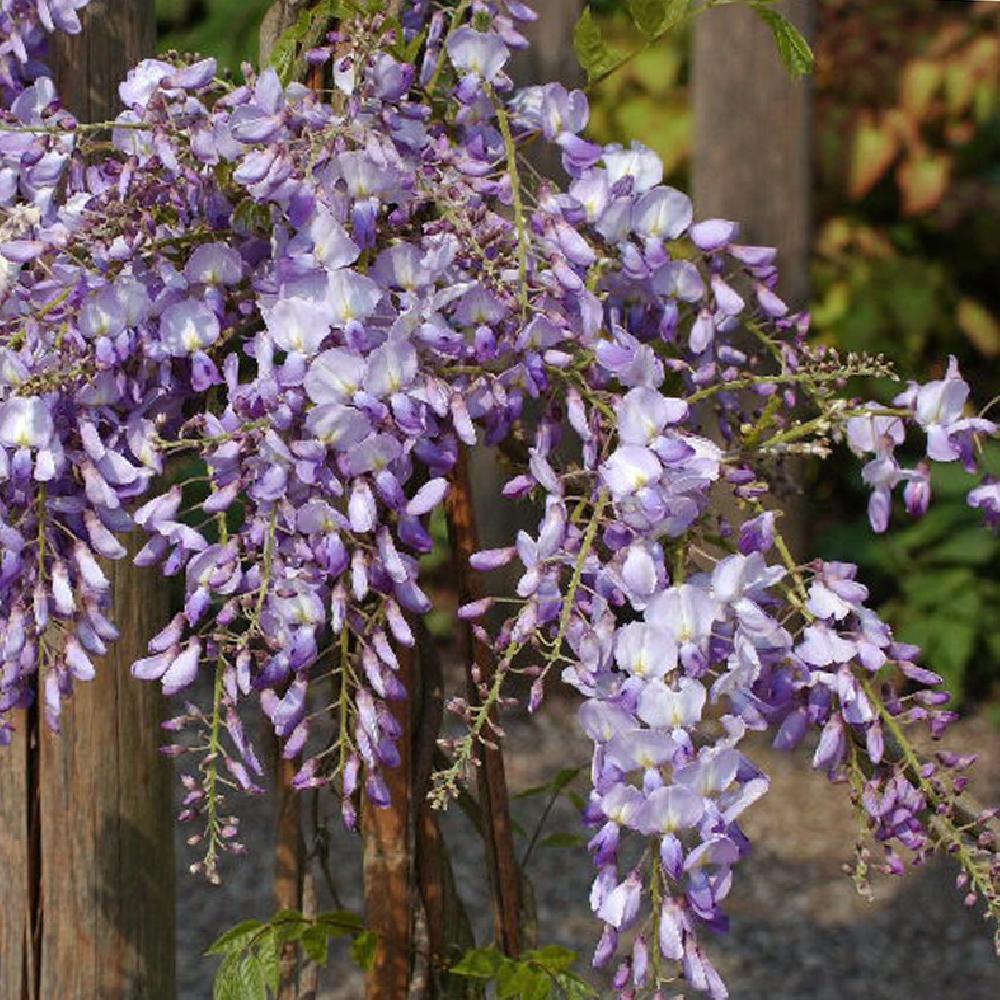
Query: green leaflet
[
  {"x": 363, "y": 949},
  {"x": 792, "y": 47},
  {"x": 251, "y": 951},
  {"x": 536, "y": 975},
  {"x": 240, "y": 978},
  {"x": 654, "y": 17},
  {"x": 595, "y": 56}
]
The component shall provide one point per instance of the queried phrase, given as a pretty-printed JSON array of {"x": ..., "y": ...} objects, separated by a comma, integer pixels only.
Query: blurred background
[{"x": 891, "y": 235}]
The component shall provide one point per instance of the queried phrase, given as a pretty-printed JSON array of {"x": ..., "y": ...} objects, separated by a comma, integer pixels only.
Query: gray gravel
[{"x": 800, "y": 930}]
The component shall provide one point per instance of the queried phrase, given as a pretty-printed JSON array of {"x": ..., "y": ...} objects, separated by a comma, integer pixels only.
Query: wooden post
[
  {"x": 86, "y": 827},
  {"x": 389, "y": 874},
  {"x": 753, "y": 156},
  {"x": 18, "y": 863},
  {"x": 753, "y": 136},
  {"x": 551, "y": 56}
]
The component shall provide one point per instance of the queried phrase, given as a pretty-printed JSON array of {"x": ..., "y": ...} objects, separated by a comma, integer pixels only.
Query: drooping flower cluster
[{"x": 260, "y": 332}]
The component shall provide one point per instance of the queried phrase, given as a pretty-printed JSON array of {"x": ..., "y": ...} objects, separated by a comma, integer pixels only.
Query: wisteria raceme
[{"x": 260, "y": 332}]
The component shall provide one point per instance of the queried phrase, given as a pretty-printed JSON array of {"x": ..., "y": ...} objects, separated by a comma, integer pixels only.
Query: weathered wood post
[
  {"x": 753, "y": 148},
  {"x": 86, "y": 833},
  {"x": 753, "y": 136}
]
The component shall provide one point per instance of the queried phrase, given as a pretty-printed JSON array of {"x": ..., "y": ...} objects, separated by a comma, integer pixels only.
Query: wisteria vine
[{"x": 314, "y": 301}]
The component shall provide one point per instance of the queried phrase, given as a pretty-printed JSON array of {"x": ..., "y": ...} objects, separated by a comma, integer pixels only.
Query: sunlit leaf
[
  {"x": 923, "y": 181},
  {"x": 921, "y": 80},
  {"x": 980, "y": 326},
  {"x": 363, "y": 949},
  {"x": 479, "y": 963},
  {"x": 553, "y": 958},
  {"x": 236, "y": 938},
  {"x": 875, "y": 147},
  {"x": 314, "y": 944},
  {"x": 240, "y": 978}
]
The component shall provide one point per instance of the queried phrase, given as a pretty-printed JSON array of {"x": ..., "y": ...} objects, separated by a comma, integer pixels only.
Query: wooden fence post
[
  {"x": 86, "y": 831},
  {"x": 753, "y": 154},
  {"x": 753, "y": 136}
]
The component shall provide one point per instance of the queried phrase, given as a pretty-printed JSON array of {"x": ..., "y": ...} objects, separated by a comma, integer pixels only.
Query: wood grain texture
[
  {"x": 15, "y": 862},
  {"x": 753, "y": 136},
  {"x": 107, "y": 871},
  {"x": 551, "y": 55},
  {"x": 289, "y": 863},
  {"x": 389, "y": 873},
  {"x": 89, "y": 66},
  {"x": 97, "y": 897},
  {"x": 753, "y": 163}
]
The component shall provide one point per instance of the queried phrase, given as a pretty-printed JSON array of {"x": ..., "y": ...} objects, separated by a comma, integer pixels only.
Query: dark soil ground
[{"x": 800, "y": 929}]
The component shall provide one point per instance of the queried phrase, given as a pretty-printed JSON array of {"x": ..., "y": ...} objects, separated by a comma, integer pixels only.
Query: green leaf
[
  {"x": 552, "y": 957},
  {"x": 363, "y": 949},
  {"x": 595, "y": 56},
  {"x": 792, "y": 47},
  {"x": 518, "y": 981},
  {"x": 239, "y": 978},
  {"x": 970, "y": 547},
  {"x": 565, "y": 777},
  {"x": 268, "y": 953},
  {"x": 654, "y": 17},
  {"x": 938, "y": 523},
  {"x": 948, "y": 647},
  {"x": 314, "y": 944},
  {"x": 236, "y": 938},
  {"x": 479, "y": 963},
  {"x": 928, "y": 591},
  {"x": 574, "y": 988},
  {"x": 533, "y": 792},
  {"x": 340, "y": 922},
  {"x": 288, "y": 925}
]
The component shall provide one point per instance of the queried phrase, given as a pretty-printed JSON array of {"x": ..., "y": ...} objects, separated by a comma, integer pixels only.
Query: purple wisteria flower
[{"x": 325, "y": 302}]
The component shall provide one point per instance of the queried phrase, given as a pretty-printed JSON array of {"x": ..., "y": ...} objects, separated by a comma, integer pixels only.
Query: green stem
[
  {"x": 515, "y": 187},
  {"x": 585, "y": 549},
  {"x": 212, "y": 775}
]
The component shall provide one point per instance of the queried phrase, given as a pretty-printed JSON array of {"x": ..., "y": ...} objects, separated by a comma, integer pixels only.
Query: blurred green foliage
[
  {"x": 648, "y": 98},
  {"x": 905, "y": 264},
  {"x": 226, "y": 29}
]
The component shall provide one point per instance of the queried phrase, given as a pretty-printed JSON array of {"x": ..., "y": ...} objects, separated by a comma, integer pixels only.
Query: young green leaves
[
  {"x": 251, "y": 951},
  {"x": 537, "y": 975}
]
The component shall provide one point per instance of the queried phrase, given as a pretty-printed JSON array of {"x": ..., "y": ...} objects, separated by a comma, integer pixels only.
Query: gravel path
[{"x": 800, "y": 930}]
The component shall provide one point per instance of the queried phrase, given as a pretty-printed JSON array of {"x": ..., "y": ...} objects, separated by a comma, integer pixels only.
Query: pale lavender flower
[{"x": 188, "y": 326}]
